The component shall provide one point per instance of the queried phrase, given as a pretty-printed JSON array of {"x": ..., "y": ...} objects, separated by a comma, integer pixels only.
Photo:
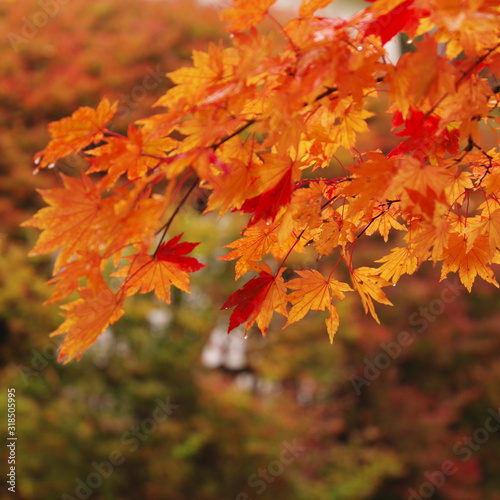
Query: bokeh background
[{"x": 166, "y": 405}]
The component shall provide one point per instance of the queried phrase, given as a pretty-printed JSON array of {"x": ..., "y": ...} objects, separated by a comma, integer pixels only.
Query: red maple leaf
[
  {"x": 402, "y": 18},
  {"x": 257, "y": 300},
  {"x": 267, "y": 204},
  {"x": 173, "y": 251},
  {"x": 425, "y": 136}
]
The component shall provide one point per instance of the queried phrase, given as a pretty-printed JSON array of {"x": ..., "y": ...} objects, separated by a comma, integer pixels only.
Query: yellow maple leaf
[
  {"x": 400, "y": 261},
  {"x": 368, "y": 285},
  {"x": 352, "y": 121},
  {"x": 332, "y": 322},
  {"x": 210, "y": 78},
  {"x": 328, "y": 239}
]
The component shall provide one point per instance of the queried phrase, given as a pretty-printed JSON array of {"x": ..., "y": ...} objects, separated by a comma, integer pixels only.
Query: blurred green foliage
[{"x": 230, "y": 434}]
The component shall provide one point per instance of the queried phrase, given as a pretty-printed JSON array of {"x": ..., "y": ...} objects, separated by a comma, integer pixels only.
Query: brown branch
[{"x": 388, "y": 205}]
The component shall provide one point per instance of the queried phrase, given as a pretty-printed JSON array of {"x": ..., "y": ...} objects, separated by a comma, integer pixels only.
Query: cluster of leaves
[
  {"x": 257, "y": 128},
  {"x": 69, "y": 55}
]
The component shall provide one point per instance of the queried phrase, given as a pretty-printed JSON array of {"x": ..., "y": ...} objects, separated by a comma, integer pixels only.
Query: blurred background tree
[{"x": 238, "y": 400}]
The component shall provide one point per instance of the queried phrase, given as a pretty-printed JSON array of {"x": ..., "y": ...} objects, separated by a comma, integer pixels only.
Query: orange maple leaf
[
  {"x": 488, "y": 225},
  {"x": 312, "y": 291},
  {"x": 72, "y": 134},
  {"x": 159, "y": 272},
  {"x": 256, "y": 242},
  {"x": 246, "y": 14},
  {"x": 133, "y": 155},
  {"x": 86, "y": 318},
  {"x": 67, "y": 280},
  {"x": 74, "y": 220},
  {"x": 309, "y": 7},
  {"x": 231, "y": 184},
  {"x": 368, "y": 285},
  {"x": 468, "y": 263}
]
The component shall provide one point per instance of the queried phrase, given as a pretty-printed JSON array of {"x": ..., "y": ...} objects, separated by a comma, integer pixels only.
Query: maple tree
[{"x": 258, "y": 125}]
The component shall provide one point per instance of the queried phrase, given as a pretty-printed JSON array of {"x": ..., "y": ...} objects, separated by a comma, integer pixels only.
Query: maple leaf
[
  {"x": 257, "y": 300},
  {"x": 400, "y": 261},
  {"x": 133, "y": 155},
  {"x": 72, "y": 134},
  {"x": 368, "y": 285},
  {"x": 313, "y": 292},
  {"x": 174, "y": 252},
  {"x": 470, "y": 263},
  {"x": 424, "y": 235},
  {"x": 422, "y": 186},
  {"x": 246, "y": 14},
  {"x": 328, "y": 238},
  {"x": 309, "y": 7},
  {"x": 383, "y": 220},
  {"x": 256, "y": 242},
  {"x": 87, "y": 318},
  {"x": 67, "y": 280},
  {"x": 402, "y": 17},
  {"x": 488, "y": 225},
  {"x": 277, "y": 177},
  {"x": 212, "y": 74},
  {"x": 332, "y": 322},
  {"x": 427, "y": 137},
  {"x": 266, "y": 205},
  {"x": 352, "y": 123},
  {"x": 73, "y": 221},
  {"x": 159, "y": 272},
  {"x": 232, "y": 183}
]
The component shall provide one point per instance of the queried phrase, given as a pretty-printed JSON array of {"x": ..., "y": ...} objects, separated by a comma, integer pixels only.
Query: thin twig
[{"x": 167, "y": 225}]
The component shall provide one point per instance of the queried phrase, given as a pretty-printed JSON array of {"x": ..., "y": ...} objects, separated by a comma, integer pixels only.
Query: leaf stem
[{"x": 167, "y": 225}]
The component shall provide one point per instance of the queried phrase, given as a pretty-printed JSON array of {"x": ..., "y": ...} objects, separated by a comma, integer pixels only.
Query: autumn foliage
[{"x": 258, "y": 126}]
